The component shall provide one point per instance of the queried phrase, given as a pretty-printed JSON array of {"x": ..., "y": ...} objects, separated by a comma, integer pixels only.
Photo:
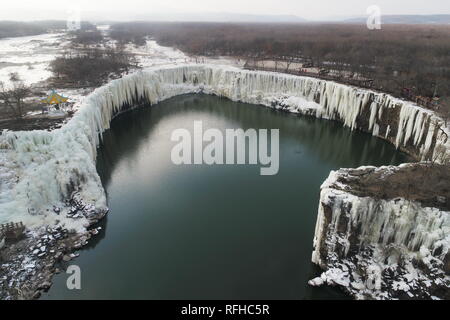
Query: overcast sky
[{"x": 132, "y": 9}]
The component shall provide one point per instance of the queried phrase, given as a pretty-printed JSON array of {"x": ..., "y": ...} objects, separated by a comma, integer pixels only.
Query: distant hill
[
  {"x": 222, "y": 17},
  {"x": 19, "y": 29},
  {"x": 407, "y": 19}
]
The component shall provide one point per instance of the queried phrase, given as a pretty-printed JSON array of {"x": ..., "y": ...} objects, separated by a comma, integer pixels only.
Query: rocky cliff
[{"x": 384, "y": 233}]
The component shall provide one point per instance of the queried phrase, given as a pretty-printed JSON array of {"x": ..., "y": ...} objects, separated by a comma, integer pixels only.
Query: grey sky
[{"x": 131, "y": 9}]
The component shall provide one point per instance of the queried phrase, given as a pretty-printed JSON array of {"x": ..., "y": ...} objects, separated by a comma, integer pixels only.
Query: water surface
[{"x": 213, "y": 232}]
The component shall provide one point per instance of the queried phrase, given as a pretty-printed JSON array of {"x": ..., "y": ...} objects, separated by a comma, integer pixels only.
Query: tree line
[{"x": 18, "y": 29}]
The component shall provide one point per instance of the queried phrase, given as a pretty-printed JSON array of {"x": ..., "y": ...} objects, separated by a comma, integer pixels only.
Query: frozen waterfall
[{"x": 41, "y": 169}]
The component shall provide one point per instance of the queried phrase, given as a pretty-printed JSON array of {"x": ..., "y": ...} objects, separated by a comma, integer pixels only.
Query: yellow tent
[{"x": 54, "y": 98}]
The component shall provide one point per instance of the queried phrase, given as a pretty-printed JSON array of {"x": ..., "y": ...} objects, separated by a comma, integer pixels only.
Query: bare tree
[
  {"x": 444, "y": 109},
  {"x": 288, "y": 63},
  {"x": 441, "y": 156},
  {"x": 13, "y": 97}
]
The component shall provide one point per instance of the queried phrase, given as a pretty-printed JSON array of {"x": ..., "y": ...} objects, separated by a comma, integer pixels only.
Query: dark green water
[{"x": 213, "y": 232}]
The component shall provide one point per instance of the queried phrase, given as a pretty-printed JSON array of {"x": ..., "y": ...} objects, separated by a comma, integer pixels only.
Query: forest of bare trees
[
  {"x": 19, "y": 29},
  {"x": 91, "y": 66},
  {"x": 396, "y": 57},
  {"x": 90, "y": 60},
  {"x": 12, "y": 98}
]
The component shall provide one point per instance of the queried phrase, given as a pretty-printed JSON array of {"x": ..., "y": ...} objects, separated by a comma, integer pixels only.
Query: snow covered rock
[{"x": 385, "y": 242}]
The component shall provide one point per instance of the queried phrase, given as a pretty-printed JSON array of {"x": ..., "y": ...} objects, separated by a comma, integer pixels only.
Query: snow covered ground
[
  {"x": 153, "y": 54},
  {"x": 30, "y": 56}
]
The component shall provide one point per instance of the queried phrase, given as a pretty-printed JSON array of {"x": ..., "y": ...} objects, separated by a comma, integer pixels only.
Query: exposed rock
[
  {"x": 27, "y": 266},
  {"x": 45, "y": 285}
]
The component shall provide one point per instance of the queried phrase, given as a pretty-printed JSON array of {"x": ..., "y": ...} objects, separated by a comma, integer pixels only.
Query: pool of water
[{"x": 213, "y": 232}]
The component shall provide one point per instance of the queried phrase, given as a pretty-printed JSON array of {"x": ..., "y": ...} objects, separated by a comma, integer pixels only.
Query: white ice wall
[
  {"x": 45, "y": 163},
  {"x": 399, "y": 222}
]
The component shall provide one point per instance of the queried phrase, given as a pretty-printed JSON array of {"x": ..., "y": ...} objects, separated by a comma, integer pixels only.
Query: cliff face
[
  {"x": 384, "y": 233},
  {"x": 44, "y": 169}
]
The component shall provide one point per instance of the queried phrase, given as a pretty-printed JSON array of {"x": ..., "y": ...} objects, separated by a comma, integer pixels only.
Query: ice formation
[
  {"x": 397, "y": 222},
  {"x": 48, "y": 166}
]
